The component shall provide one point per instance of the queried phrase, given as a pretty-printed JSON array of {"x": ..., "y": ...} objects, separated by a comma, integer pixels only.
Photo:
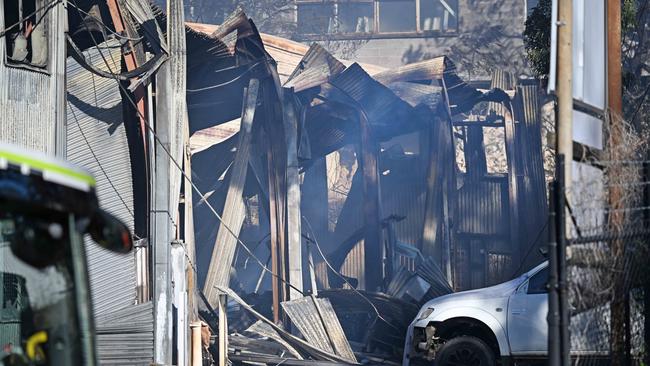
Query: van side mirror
[{"x": 109, "y": 232}]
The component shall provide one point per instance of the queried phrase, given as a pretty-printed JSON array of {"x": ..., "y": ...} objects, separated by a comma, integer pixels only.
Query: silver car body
[{"x": 517, "y": 318}]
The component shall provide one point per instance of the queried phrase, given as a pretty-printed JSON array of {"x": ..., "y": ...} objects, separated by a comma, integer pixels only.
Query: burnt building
[{"x": 478, "y": 35}]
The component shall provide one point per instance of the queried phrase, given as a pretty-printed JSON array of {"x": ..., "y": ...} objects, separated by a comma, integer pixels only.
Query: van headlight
[{"x": 425, "y": 314}]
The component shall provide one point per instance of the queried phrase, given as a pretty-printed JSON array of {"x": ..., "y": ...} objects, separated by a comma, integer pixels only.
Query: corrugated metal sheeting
[
  {"x": 29, "y": 99},
  {"x": 482, "y": 207},
  {"x": 402, "y": 188},
  {"x": 125, "y": 337},
  {"x": 97, "y": 140},
  {"x": 482, "y": 219},
  {"x": 532, "y": 180},
  {"x": 318, "y": 323}
]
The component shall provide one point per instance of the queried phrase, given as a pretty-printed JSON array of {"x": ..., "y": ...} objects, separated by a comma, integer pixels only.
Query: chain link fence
[{"x": 607, "y": 264}]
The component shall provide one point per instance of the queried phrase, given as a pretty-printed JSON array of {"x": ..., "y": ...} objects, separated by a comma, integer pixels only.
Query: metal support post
[
  {"x": 223, "y": 329},
  {"x": 161, "y": 230},
  {"x": 619, "y": 331},
  {"x": 646, "y": 288},
  {"x": 561, "y": 217},
  {"x": 553, "y": 317}
]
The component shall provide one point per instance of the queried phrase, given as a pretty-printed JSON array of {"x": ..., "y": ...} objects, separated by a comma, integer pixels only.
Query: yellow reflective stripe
[
  {"x": 33, "y": 342},
  {"x": 37, "y": 164}
]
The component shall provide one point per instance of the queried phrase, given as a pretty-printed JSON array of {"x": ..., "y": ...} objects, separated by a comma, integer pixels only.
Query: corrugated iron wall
[
  {"x": 532, "y": 183},
  {"x": 30, "y": 99},
  {"x": 485, "y": 253},
  {"x": 97, "y": 140},
  {"x": 403, "y": 193},
  {"x": 482, "y": 218},
  {"x": 481, "y": 208},
  {"x": 126, "y": 337}
]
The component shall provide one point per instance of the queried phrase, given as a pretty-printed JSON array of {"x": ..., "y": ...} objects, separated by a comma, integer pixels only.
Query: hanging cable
[
  {"x": 92, "y": 152},
  {"x": 47, "y": 8},
  {"x": 377, "y": 314},
  {"x": 243, "y": 73},
  {"x": 180, "y": 168},
  {"x": 101, "y": 23}
]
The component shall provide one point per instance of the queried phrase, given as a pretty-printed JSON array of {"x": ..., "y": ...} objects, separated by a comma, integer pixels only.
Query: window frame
[
  {"x": 44, "y": 9},
  {"x": 537, "y": 291},
  {"x": 376, "y": 33}
]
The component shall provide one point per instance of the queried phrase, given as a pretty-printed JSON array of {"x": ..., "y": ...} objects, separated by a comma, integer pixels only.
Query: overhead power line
[{"x": 180, "y": 169}]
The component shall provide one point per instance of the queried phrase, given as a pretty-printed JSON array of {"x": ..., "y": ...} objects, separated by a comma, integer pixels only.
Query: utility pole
[
  {"x": 553, "y": 316},
  {"x": 564, "y": 86},
  {"x": 558, "y": 351},
  {"x": 161, "y": 222},
  {"x": 616, "y": 216}
]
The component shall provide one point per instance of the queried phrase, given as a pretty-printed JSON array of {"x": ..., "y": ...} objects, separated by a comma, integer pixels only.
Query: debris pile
[{"x": 287, "y": 280}]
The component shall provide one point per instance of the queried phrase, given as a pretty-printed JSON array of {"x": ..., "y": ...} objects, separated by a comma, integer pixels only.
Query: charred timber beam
[
  {"x": 234, "y": 210},
  {"x": 293, "y": 196},
  {"x": 371, "y": 206},
  {"x": 131, "y": 63},
  {"x": 276, "y": 163},
  {"x": 314, "y": 209}
]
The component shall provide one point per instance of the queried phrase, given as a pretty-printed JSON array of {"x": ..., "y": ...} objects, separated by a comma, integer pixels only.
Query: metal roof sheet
[
  {"x": 318, "y": 323},
  {"x": 315, "y": 68}
]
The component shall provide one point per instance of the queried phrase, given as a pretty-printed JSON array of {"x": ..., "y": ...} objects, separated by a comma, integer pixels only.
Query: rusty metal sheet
[
  {"x": 315, "y": 68},
  {"x": 432, "y": 69},
  {"x": 380, "y": 104},
  {"x": 442, "y": 69},
  {"x": 318, "y": 323}
]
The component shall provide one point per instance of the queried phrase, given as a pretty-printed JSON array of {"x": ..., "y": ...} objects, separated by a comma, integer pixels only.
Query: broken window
[
  {"x": 26, "y": 37},
  {"x": 315, "y": 18},
  {"x": 377, "y": 17},
  {"x": 459, "y": 139},
  {"x": 333, "y": 17},
  {"x": 356, "y": 17},
  {"x": 397, "y": 16},
  {"x": 439, "y": 15},
  {"x": 494, "y": 141}
]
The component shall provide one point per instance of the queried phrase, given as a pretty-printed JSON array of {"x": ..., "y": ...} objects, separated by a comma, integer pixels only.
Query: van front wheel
[{"x": 465, "y": 351}]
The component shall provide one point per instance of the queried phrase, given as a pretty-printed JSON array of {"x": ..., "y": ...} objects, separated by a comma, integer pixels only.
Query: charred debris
[
  {"x": 335, "y": 197},
  {"x": 349, "y": 194}
]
